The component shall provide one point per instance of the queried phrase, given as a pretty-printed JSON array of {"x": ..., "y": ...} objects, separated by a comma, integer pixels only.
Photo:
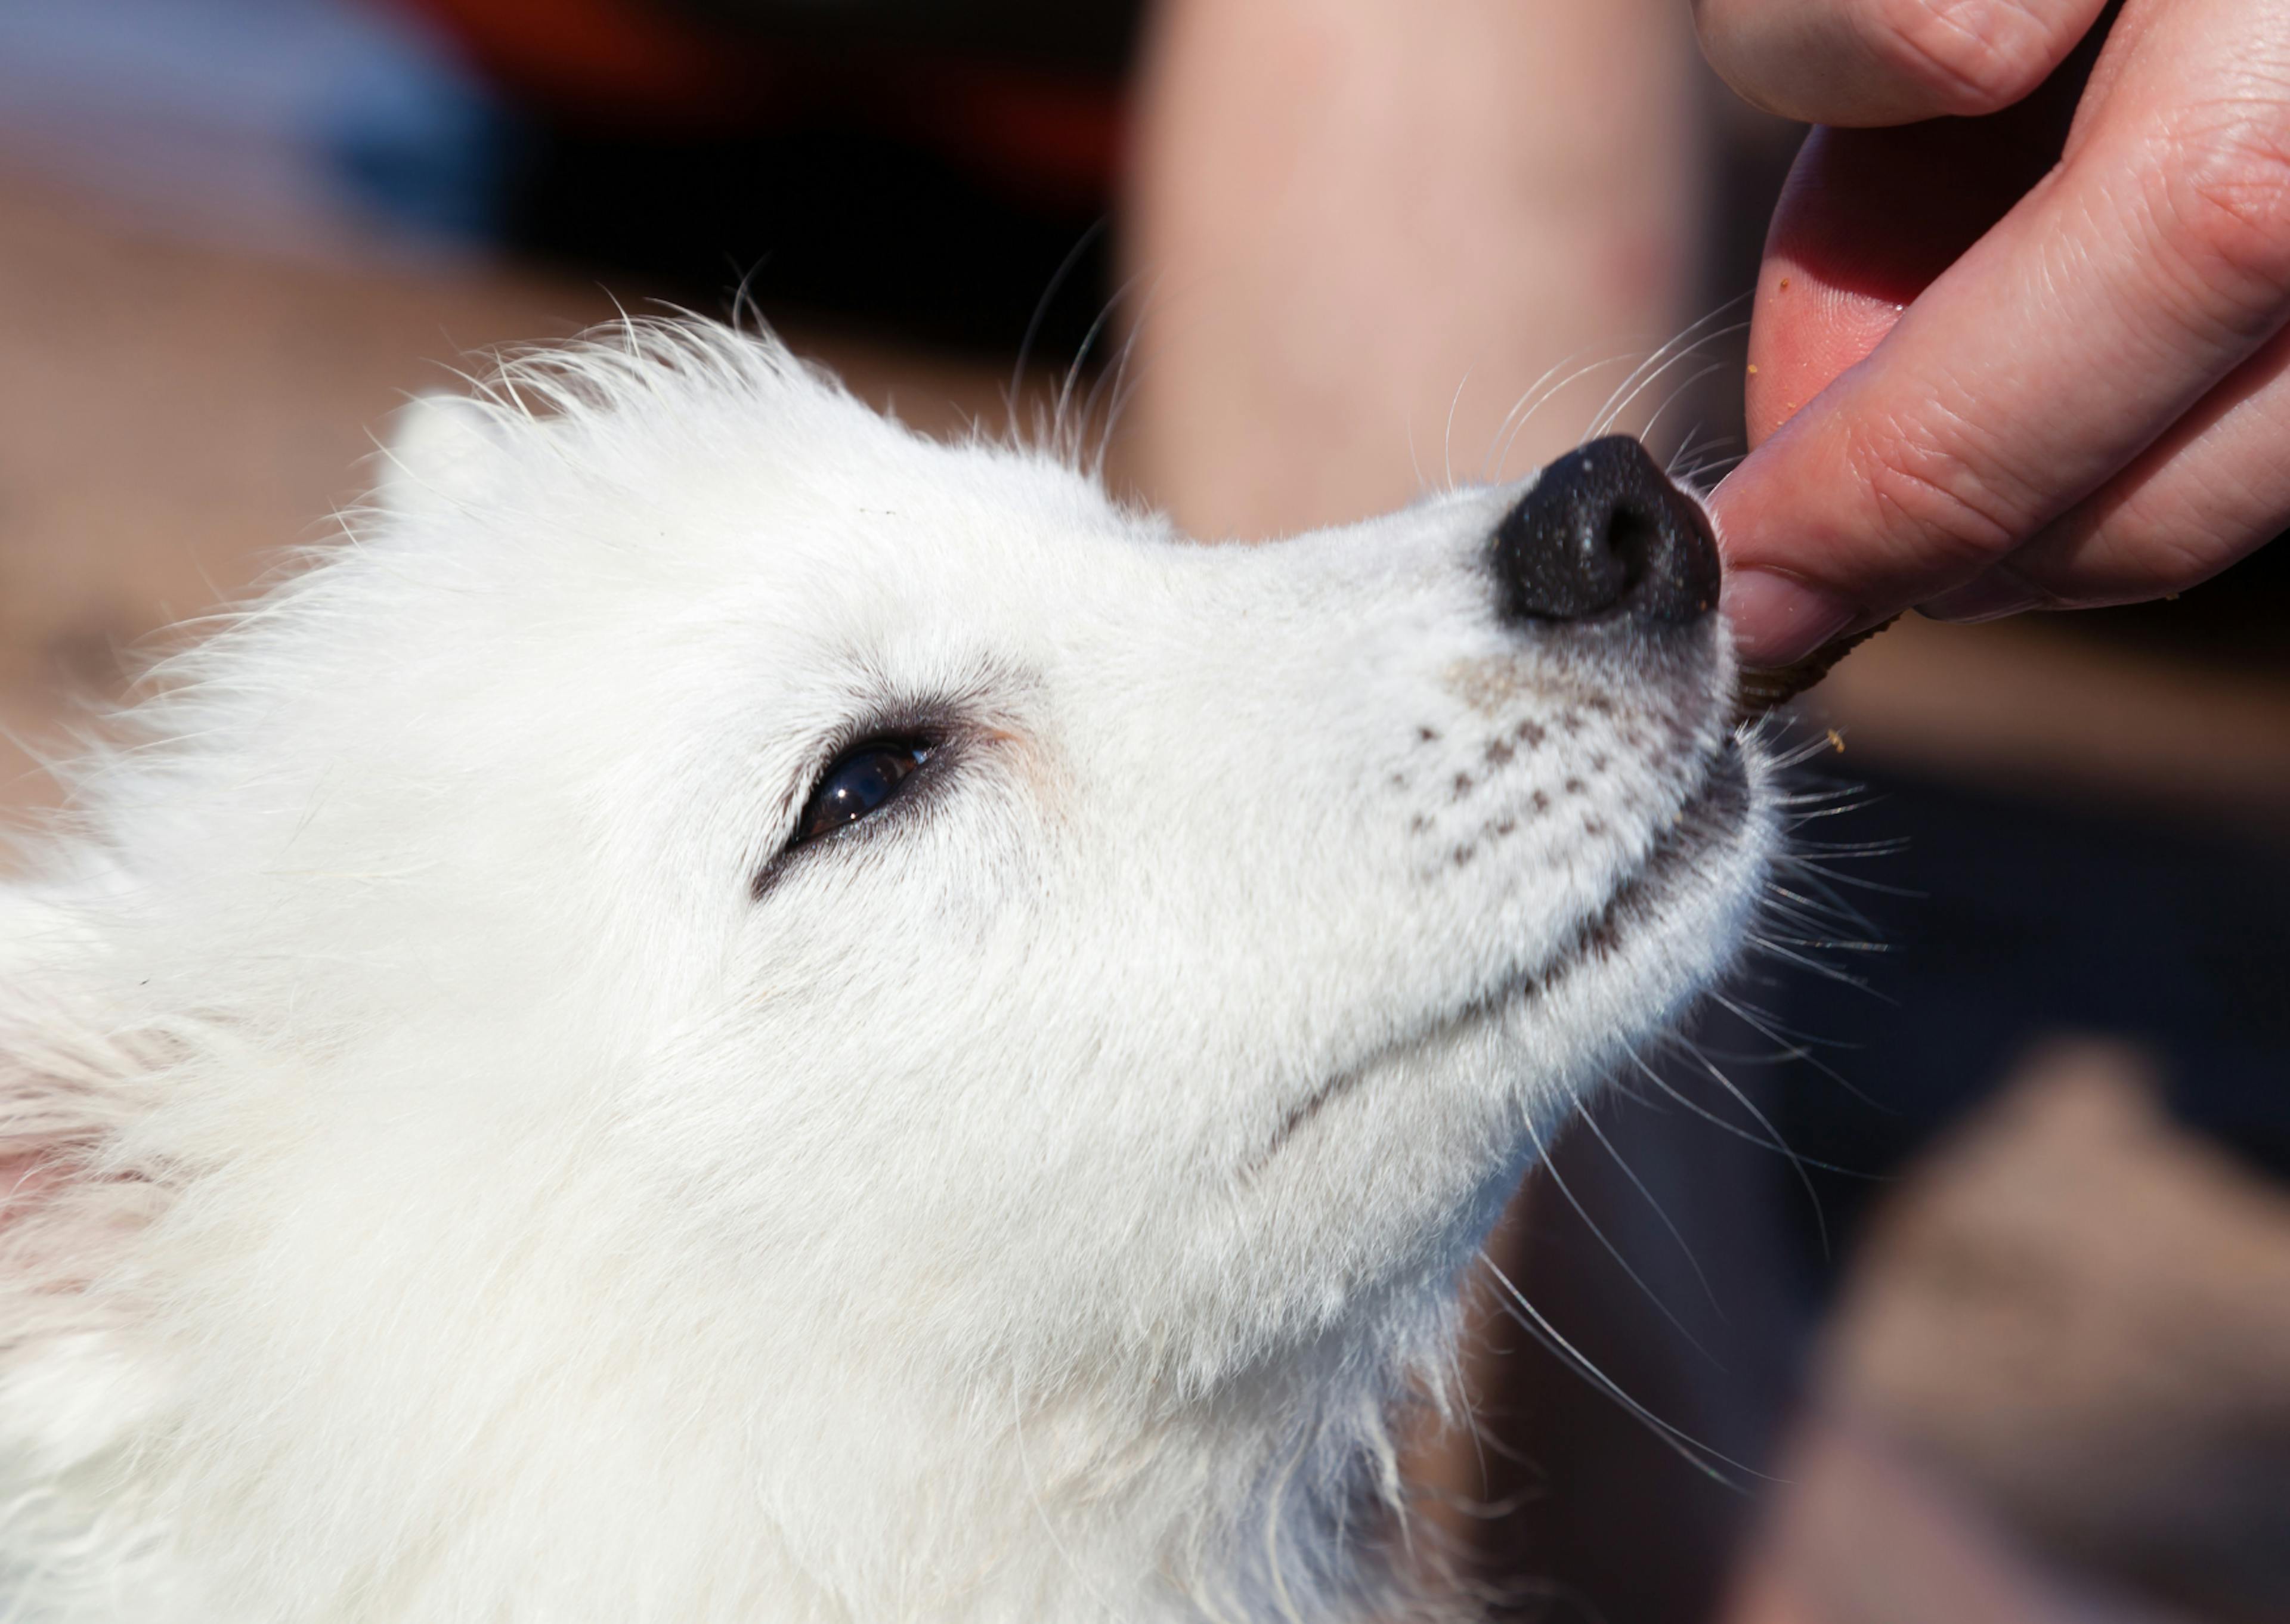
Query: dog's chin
[
  {"x": 1683, "y": 878},
  {"x": 1668, "y": 929}
]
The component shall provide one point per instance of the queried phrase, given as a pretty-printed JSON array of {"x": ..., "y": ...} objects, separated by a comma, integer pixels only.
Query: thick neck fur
[{"x": 541, "y": 1340}]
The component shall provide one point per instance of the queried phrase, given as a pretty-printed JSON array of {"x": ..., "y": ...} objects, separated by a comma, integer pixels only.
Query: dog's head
[{"x": 706, "y": 863}]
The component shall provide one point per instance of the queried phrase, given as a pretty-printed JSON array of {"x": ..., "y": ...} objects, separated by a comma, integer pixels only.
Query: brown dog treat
[{"x": 1763, "y": 687}]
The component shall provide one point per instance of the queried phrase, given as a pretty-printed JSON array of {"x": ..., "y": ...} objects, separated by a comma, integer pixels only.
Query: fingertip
[
  {"x": 1804, "y": 331},
  {"x": 1858, "y": 233},
  {"x": 1778, "y": 621},
  {"x": 1872, "y": 64}
]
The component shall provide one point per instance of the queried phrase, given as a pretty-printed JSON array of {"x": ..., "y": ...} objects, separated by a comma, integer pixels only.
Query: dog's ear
[
  {"x": 71, "y": 1080},
  {"x": 441, "y": 449},
  {"x": 83, "y": 1385},
  {"x": 71, "y": 1086}
]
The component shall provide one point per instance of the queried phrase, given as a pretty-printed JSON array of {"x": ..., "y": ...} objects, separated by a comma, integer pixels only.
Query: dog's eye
[{"x": 857, "y": 782}]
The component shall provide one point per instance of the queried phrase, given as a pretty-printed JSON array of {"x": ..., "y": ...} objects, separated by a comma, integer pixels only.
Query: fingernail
[
  {"x": 1778, "y": 622},
  {"x": 1988, "y": 597}
]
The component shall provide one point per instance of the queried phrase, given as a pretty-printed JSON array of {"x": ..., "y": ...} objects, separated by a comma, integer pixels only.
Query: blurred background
[{"x": 1954, "y": 1246}]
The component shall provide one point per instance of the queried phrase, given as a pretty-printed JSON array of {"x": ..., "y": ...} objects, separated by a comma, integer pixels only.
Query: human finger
[
  {"x": 1868, "y": 219},
  {"x": 2212, "y": 490},
  {"x": 1862, "y": 63},
  {"x": 2109, "y": 300}
]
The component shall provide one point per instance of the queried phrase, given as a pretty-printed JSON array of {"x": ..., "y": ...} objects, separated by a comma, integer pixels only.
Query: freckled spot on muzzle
[{"x": 1490, "y": 685}]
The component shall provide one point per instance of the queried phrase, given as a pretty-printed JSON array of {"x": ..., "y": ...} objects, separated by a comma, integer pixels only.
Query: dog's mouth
[{"x": 1713, "y": 815}]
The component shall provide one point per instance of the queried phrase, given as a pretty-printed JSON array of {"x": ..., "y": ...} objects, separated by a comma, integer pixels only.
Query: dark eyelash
[
  {"x": 931, "y": 732},
  {"x": 859, "y": 783}
]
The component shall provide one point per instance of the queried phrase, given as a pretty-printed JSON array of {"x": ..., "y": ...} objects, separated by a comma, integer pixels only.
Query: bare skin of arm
[{"x": 1360, "y": 232}]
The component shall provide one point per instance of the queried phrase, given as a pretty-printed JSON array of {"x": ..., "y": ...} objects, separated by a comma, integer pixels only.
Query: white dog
[{"x": 731, "y": 1014}]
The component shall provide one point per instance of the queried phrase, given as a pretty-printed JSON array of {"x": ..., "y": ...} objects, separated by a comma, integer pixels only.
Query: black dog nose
[{"x": 1605, "y": 532}]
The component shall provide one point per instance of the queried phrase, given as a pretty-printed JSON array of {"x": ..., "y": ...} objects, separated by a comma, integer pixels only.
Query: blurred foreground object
[{"x": 2059, "y": 1388}]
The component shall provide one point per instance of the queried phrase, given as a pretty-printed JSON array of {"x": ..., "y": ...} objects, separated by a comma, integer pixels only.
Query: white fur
[{"x": 450, "y": 1192}]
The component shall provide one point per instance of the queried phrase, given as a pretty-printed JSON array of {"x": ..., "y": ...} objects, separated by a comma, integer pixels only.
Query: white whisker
[{"x": 1687, "y": 1447}]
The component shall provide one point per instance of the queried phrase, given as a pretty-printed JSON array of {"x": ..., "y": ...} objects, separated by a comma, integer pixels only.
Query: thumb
[{"x": 1869, "y": 219}]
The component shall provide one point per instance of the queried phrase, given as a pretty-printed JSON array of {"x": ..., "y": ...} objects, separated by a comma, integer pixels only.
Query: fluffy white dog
[{"x": 731, "y": 1014}]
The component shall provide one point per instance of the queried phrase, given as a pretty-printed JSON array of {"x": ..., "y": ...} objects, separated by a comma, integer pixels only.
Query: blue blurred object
[
  {"x": 266, "y": 123},
  {"x": 422, "y": 141}
]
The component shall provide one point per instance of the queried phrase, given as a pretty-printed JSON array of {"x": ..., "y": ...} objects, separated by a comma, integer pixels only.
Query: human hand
[{"x": 2019, "y": 340}]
